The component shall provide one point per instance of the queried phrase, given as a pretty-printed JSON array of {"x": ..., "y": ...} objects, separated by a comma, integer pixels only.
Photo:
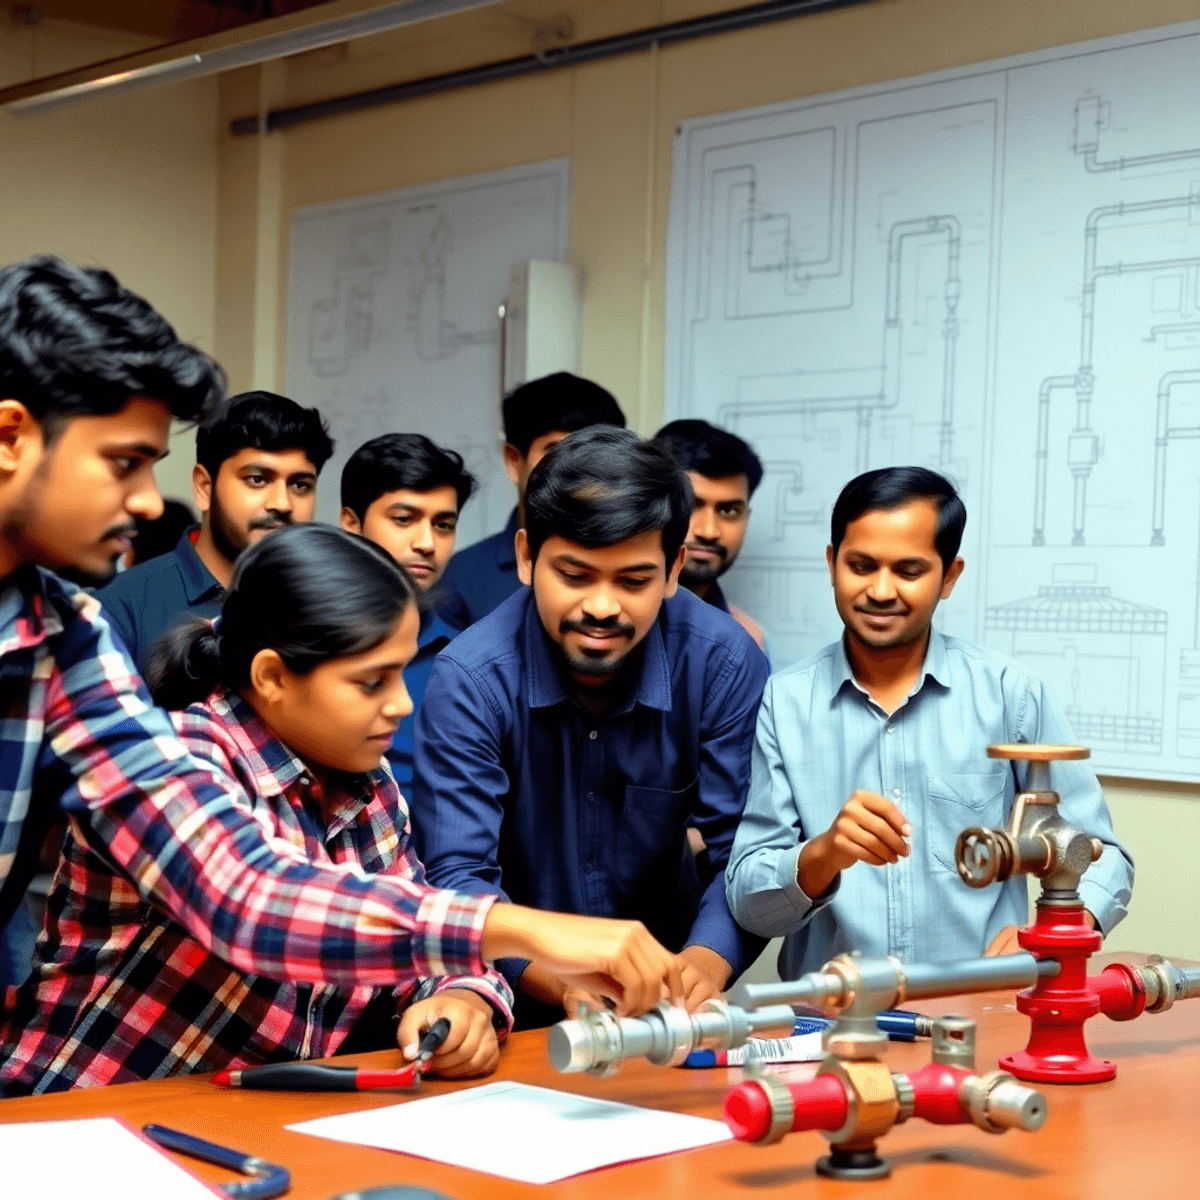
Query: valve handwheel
[{"x": 1031, "y": 752}]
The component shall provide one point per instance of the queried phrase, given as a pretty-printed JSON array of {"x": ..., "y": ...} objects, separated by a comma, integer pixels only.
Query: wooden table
[{"x": 1138, "y": 1135}]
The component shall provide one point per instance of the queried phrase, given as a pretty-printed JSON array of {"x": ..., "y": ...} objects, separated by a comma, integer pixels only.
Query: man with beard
[
  {"x": 724, "y": 472},
  {"x": 256, "y": 470},
  {"x": 871, "y": 757},
  {"x": 568, "y": 740}
]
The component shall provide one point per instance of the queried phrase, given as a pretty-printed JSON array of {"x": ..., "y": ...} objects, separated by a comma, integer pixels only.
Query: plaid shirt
[
  {"x": 120, "y": 992},
  {"x": 78, "y": 731}
]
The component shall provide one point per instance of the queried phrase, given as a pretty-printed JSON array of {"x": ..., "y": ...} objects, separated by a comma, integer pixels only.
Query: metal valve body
[
  {"x": 855, "y": 1102},
  {"x": 1040, "y": 842}
]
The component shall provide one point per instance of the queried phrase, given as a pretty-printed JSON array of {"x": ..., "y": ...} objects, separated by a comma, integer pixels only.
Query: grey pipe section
[
  {"x": 1163, "y": 434},
  {"x": 581, "y": 53},
  {"x": 922, "y": 981}
]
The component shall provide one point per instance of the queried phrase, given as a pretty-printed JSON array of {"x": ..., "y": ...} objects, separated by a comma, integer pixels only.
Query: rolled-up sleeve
[{"x": 760, "y": 880}]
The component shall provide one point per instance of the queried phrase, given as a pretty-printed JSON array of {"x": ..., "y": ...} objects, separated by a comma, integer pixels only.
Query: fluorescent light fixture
[{"x": 245, "y": 54}]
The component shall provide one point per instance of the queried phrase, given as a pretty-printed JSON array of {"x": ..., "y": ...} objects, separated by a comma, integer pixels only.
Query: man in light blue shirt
[{"x": 870, "y": 758}]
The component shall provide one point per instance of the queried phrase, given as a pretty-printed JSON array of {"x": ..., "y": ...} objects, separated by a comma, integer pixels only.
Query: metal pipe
[
  {"x": 920, "y": 981},
  {"x": 668, "y": 34}
]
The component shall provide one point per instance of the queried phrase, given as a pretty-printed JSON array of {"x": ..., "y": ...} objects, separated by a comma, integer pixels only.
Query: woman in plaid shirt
[{"x": 289, "y": 704}]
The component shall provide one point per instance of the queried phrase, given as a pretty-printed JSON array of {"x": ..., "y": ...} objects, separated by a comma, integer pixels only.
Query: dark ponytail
[{"x": 309, "y": 592}]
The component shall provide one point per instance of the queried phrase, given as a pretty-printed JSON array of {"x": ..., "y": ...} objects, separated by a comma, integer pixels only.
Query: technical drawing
[
  {"x": 994, "y": 272},
  {"x": 392, "y": 302},
  {"x": 1104, "y": 659},
  {"x": 436, "y": 336},
  {"x": 342, "y": 326}
]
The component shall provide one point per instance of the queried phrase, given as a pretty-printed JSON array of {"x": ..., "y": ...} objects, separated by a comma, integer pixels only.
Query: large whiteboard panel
[
  {"x": 392, "y": 316},
  {"x": 994, "y": 272}
]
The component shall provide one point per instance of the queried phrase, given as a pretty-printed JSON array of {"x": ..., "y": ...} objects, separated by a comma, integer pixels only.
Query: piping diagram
[
  {"x": 995, "y": 273},
  {"x": 392, "y": 316}
]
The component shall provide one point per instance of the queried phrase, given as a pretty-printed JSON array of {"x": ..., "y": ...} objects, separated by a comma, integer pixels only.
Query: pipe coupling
[{"x": 996, "y": 1102}]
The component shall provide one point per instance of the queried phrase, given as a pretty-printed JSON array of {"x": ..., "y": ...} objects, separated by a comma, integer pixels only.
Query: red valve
[
  {"x": 1058, "y": 1006},
  {"x": 1121, "y": 990},
  {"x": 935, "y": 1092},
  {"x": 818, "y": 1103}
]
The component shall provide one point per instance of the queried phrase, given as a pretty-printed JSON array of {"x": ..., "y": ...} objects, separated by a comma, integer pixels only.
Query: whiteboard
[
  {"x": 393, "y": 319},
  {"x": 993, "y": 272}
]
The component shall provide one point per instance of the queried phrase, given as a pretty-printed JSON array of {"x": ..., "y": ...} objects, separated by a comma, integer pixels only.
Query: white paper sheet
[
  {"x": 531, "y": 1134},
  {"x": 98, "y": 1158}
]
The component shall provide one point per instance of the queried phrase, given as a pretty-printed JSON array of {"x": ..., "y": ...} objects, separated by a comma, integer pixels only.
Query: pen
[
  {"x": 266, "y": 1179},
  {"x": 315, "y": 1077}
]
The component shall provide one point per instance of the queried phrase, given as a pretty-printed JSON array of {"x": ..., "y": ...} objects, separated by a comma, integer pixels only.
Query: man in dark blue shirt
[
  {"x": 256, "y": 470},
  {"x": 568, "y": 740},
  {"x": 724, "y": 472},
  {"x": 405, "y": 493},
  {"x": 537, "y": 415}
]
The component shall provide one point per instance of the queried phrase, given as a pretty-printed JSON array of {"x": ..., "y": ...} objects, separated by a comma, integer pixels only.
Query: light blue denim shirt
[{"x": 820, "y": 737}]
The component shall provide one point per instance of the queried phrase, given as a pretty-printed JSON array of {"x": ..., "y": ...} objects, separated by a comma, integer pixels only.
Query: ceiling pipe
[
  {"x": 209, "y": 56},
  {"x": 580, "y": 54}
]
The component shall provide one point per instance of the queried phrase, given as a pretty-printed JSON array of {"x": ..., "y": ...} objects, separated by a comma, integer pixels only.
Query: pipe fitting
[{"x": 996, "y": 1102}]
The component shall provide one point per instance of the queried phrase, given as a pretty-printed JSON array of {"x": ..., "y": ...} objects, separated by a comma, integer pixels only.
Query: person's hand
[
  {"x": 471, "y": 1047},
  {"x": 705, "y": 974},
  {"x": 869, "y": 828},
  {"x": 606, "y": 958},
  {"x": 1005, "y": 942}
]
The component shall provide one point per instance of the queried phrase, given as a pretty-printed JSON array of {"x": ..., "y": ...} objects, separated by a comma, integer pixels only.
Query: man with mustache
[
  {"x": 256, "y": 470},
  {"x": 870, "y": 758},
  {"x": 724, "y": 473},
  {"x": 568, "y": 740}
]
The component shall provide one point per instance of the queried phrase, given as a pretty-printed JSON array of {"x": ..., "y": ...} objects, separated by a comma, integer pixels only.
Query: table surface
[{"x": 1100, "y": 1140}]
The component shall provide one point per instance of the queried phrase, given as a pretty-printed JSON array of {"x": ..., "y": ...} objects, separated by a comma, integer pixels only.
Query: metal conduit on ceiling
[{"x": 581, "y": 53}]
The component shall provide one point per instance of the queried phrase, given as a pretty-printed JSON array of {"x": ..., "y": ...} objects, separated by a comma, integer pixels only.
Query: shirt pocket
[
  {"x": 651, "y": 820},
  {"x": 959, "y": 801}
]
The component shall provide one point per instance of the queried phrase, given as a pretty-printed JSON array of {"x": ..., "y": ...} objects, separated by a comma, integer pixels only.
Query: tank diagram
[
  {"x": 392, "y": 308},
  {"x": 993, "y": 272}
]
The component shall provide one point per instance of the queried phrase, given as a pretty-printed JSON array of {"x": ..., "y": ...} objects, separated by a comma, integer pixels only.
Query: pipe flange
[{"x": 783, "y": 1108}]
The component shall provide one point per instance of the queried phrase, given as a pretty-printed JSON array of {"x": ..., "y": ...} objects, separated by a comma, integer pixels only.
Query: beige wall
[{"x": 127, "y": 183}]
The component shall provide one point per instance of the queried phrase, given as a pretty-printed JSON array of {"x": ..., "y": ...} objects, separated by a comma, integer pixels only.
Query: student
[
  {"x": 567, "y": 740},
  {"x": 405, "y": 493},
  {"x": 870, "y": 758},
  {"x": 289, "y": 704},
  {"x": 725, "y": 472},
  {"x": 256, "y": 470},
  {"x": 90, "y": 378},
  {"x": 537, "y": 415}
]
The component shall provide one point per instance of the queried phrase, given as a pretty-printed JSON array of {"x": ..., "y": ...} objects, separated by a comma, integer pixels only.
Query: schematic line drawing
[{"x": 994, "y": 272}]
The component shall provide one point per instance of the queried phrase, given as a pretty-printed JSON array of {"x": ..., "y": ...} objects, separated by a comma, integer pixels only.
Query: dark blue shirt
[
  {"x": 432, "y": 638},
  {"x": 483, "y": 576},
  {"x": 144, "y": 602},
  {"x": 521, "y": 791}
]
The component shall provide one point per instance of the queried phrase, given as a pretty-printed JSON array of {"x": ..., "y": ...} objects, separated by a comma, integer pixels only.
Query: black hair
[
  {"x": 401, "y": 460},
  {"x": 310, "y": 592},
  {"x": 711, "y": 452},
  {"x": 893, "y": 487},
  {"x": 264, "y": 421},
  {"x": 162, "y": 535},
  {"x": 74, "y": 342},
  {"x": 602, "y": 486},
  {"x": 561, "y": 401}
]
